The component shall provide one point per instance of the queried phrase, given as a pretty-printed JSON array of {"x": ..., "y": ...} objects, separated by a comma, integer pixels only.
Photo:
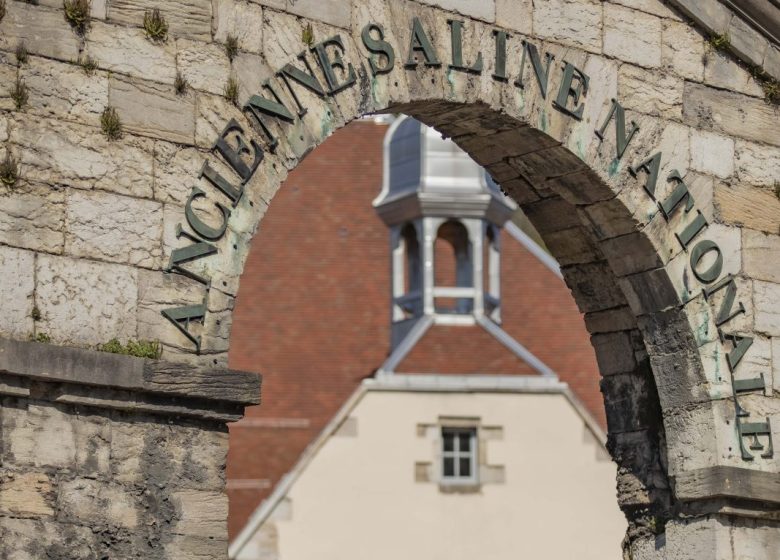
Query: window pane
[
  {"x": 465, "y": 467},
  {"x": 449, "y": 466},
  {"x": 465, "y": 441},
  {"x": 449, "y": 440}
]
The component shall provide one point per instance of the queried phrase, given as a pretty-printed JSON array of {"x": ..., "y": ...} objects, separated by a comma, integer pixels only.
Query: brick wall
[{"x": 313, "y": 314}]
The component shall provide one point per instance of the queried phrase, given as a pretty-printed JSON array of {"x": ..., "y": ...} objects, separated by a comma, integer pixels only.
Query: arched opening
[{"x": 453, "y": 268}]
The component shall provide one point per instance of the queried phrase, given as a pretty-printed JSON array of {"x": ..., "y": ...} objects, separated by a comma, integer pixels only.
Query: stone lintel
[
  {"x": 728, "y": 482},
  {"x": 107, "y": 380}
]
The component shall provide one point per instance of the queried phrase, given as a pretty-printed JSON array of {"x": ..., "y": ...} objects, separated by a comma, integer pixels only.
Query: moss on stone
[{"x": 138, "y": 348}]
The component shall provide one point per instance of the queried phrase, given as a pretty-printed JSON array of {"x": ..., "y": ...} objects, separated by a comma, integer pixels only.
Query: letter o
[{"x": 697, "y": 254}]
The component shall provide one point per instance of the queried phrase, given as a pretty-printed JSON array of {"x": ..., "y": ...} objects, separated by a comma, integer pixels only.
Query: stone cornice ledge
[
  {"x": 106, "y": 380},
  {"x": 730, "y": 483},
  {"x": 751, "y": 26}
]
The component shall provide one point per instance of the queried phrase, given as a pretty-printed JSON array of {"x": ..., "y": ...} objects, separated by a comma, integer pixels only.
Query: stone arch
[{"x": 543, "y": 112}]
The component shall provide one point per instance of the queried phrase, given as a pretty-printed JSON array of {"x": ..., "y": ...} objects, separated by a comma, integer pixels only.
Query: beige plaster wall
[{"x": 358, "y": 498}]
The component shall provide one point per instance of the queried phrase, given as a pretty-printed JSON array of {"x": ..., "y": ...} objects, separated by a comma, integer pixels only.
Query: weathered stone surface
[
  {"x": 98, "y": 503},
  {"x": 712, "y": 154},
  {"x": 730, "y": 113},
  {"x": 484, "y": 10},
  {"x": 59, "y": 153},
  {"x": 569, "y": 22},
  {"x": 515, "y": 14},
  {"x": 757, "y": 164},
  {"x": 26, "y": 494},
  {"x": 204, "y": 65},
  {"x": 632, "y": 36},
  {"x": 153, "y": 109},
  {"x": 650, "y": 92},
  {"x": 23, "y": 539},
  {"x": 82, "y": 302},
  {"x": 333, "y": 12},
  {"x": 760, "y": 256},
  {"x": 722, "y": 72},
  {"x": 43, "y": 31},
  {"x": 48, "y": 436},
  {"x": 65, "y": 91},
  {"x": 711, "y": 14},
  {"x": 682, "y": 50},
  {"x": 185, "y": 18},
  {"x": 766, "y": 299},
  {"x": 33, "y": 218},
  {"x": 746, "y": 42},
  {"x": 126, "y": 50},
  {"x": 614, "y": 353},
  {"x": 749, "y": 206},
  {"x": 17, "y": 285},
  {"x": 242, "y": 20},
  {"x": 114, "y": 228},
  {"x": 655, "y": 7},
  {"x": 201, "y": 514},
  {"x": 176, "y": 170}
]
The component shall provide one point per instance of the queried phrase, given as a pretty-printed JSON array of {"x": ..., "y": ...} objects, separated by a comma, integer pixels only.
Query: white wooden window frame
[{"x": 457, "y": 454}]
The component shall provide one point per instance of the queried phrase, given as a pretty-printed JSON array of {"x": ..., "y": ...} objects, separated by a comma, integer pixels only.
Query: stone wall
[
  {"x": 105, "y": 456},
  {"x": 92, "y": 231}
]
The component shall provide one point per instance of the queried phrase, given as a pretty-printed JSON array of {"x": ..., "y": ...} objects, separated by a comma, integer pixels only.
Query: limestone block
[
  {"x": 64, "y": 91},
  {"x": 746, "y": 42},
  {"x": 242, "y": 20},
  {"x": 8, "y": 73},
  {"x": 57, "y": 153},
  {"x": 752, "y": 207},
  {"x": 201, "y": 514},
  {"x": 712, "y": 154},
  {"x": 114, "y": 228},
  {"x": 85, "y": 302},
  {"x": 168, "y": 455},
  {"x": 33, "y": 218},
  {"x": 632, "y": 36},
  {"x": 570, "y": 22},
  {"x": 26, "y": 494},
  {"x": 515, "y": 14},
  {"x": 484, "y": 10},
  {"x": 730, "y": 113},
  {"x": 97, "y": 7},
  {"x": 176, "y": 170},
  {"x": 17, "y": 285},
  {"x": 776, "y": 364},
  {"x": 757, "y": 164},
  {"x": 153, "y": 109},
  {"x": 49, "y": 436},
  {"x": 213, "y": 114},
  {"x": 722, "y": 72},
  {"x": 333, "y": 12},
  {"x": 25, "y": 539},
  {"x": 760, "y": 256},
  {"x": 3, "y": 129},
  {"x": 186, "y": 18},
  {"x": 43, "y": 31},
  {"x": 682, "y": 50},
  {"x": 711, "y": 14},
  {"x": 205, "y": 65},
  {"x": 650, "y": 92},
  {"x": 655, "y": 7},
  {"x": 766, "y": 300},
  {"x": 183, "y": 547},
  {"x": 98, "y": 504},
  {"x": 614, "y": 352},
  {"x": 127, "y": 50},
  {"x": 772, "y": 62}
]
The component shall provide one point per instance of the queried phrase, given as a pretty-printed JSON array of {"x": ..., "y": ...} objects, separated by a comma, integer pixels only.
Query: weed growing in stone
[
  {"x": 2, "y": 9},
  {"x": 111, "y": 124},
  {"x": 231, "y": 90},
  {"x": 19, "y": 94},
  {"x": 720, "y": 42},
  {"x": 9, "y": 170},
  {"x": 180, "y": 84},
  {"x": 22, "y": 56},
  {"x": 155, "y": 25},
  {"x": 88, "y": 64},
  {"x": 41, "y": 337},
  {"x": 308, "y": 35},
  {"x": 36, "y": 313},
  {"x": 777, "y": 189},
  {"x": 231, "y": 46},
  {"x": 77, "y": 14},
  {"x": 139, "y": 348}
]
